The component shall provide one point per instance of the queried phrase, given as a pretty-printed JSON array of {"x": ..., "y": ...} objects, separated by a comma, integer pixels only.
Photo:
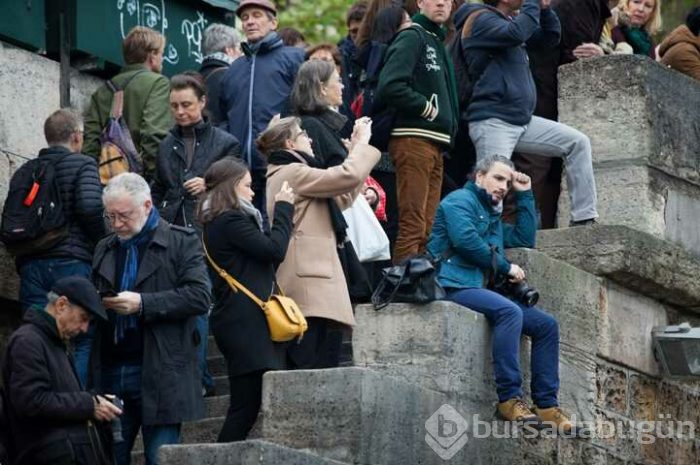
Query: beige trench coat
[{"x": 311, "y": 273}]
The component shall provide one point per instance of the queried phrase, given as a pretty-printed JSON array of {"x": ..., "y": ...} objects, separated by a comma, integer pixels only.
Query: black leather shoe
[{"x": 587, "y": 222}]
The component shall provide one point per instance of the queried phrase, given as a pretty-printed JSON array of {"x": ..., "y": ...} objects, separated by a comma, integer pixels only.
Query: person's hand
[
  {"x": 286, "y": 194},
  {"x": 362, "y": 131},
  {"x": 104, "y": 410},
  {"x": 516, "y": 273},
  {"x": 544, "y": 4},
  {"x": 195, "y": 186},
  {"x": 588, "y": 50},
  {"x": 370, "y": 196},
  {"x": 124, "y": 303},
  {"x": 521, "y": 181}
]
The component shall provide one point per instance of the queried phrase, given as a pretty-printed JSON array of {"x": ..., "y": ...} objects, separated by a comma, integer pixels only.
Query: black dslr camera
[
  {"x": 116, "y": 422},
  {"x": 521, "y": 291}
]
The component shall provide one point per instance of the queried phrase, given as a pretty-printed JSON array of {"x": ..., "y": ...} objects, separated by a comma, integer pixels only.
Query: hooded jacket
[
  {"x": 255, "y": 88},
  {"x": 506, "y": 89},
  {"x": 681, "y": 51}
]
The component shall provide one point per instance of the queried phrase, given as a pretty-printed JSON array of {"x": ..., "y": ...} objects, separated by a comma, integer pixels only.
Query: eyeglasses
[{"x": 122, "y": 217}]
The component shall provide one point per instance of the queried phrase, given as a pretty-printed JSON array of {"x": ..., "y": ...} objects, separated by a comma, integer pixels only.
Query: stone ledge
[
  {"x": 636, "y": 260},
  {"x": 633, "y": 108},
  {"x": 253, "y": 452}
]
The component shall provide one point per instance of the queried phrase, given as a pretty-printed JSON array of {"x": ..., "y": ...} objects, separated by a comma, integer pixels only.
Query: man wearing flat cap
[
  {"x": 51, "y": 416},
  {"x": 257, "y": 85}
]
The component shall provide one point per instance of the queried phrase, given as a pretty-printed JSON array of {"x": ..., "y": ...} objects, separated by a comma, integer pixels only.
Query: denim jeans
[
  {"x": 550, "y": 139},
  {"x": 203, "y": 330},
  {"x": 36, "y": 279},
  {"x": 124, "y": 381},
  {"x": 509, "y": 320}
]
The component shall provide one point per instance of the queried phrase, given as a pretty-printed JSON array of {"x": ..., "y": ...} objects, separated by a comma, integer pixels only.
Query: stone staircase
[{"x": 607, "y": 285}]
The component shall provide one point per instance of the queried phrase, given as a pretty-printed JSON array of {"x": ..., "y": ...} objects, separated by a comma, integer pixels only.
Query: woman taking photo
[
  {"x": 235, "y": 241},
  {"x": 311, "y": 272},
  {"x": 183, "y": 157},
  {"x": 637, "y": 22}
]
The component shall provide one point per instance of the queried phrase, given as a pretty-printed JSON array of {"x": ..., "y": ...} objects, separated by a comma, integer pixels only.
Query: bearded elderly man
[
  {"x": 155, "y": 283},
  {"x": 469, "y": 235},
  {"x": 50, "y": 416}
]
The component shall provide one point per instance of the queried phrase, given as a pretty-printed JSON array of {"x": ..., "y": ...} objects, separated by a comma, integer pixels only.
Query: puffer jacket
[
  {"x": 81, "y": 194},
  {"x": 255, "y": 88},
  {"x": 681, "y": 51},
  {"x": 174, "y": 203}
]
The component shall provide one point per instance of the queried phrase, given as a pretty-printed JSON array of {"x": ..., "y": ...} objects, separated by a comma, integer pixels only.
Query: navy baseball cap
[{"x": 80, "y": 291}]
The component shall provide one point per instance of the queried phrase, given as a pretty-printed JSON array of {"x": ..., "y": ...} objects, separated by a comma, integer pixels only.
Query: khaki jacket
[
  {"x": 311, "y": 273},
  {"x": 681, "y": 51}
]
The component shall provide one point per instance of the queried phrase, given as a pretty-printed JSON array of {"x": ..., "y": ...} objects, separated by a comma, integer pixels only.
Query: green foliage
[{"x": 318, "y": 20}]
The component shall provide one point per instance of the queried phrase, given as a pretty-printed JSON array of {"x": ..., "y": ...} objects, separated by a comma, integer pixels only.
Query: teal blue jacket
[{"x": 465, "y": 227}]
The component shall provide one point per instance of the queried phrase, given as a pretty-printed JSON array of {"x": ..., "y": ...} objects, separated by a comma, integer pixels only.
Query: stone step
[
  {"x": 253, "y": 452},
  {"x": 197, "y": 432},
  {"x": 353, "y": 415},
  {"x": 636, "y": 260}
]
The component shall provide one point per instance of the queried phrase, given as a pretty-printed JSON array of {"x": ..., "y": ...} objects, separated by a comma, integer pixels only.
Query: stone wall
[
  {"x": 643, "y": 123},
  {"x": 29, "y": 91}
]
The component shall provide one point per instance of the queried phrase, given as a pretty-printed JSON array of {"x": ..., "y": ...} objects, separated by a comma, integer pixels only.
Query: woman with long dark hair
[{"x": 235, "y": 241}]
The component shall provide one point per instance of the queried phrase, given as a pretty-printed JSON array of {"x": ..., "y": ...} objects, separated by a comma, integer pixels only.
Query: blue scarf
[{"x": 131, "y": 268}]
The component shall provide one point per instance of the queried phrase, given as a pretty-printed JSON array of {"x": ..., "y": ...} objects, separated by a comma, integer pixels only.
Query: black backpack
[
  {"x": 366, "y": 104},
  {"x": 34, "y": 219},
  {"x": 466, "y": 74}
]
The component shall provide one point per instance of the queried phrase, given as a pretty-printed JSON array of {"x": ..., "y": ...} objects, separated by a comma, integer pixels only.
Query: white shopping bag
[{"x": 366, "y": 234}]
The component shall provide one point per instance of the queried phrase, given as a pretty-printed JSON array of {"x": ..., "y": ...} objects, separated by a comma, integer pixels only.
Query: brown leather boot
[
  {"x": 554, "y": 416},
  {"x": 516, "y": 410}
]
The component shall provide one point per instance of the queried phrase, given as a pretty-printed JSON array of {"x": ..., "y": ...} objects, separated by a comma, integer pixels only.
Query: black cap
[{"x": 80, "y": 291}]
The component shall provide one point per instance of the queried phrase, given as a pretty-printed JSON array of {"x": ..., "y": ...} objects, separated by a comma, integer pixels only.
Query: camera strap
[{"x": 493, "y": 272}]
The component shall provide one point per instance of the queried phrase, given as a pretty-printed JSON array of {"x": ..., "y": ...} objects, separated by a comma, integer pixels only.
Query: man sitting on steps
[{"x": 469, "y": 235}]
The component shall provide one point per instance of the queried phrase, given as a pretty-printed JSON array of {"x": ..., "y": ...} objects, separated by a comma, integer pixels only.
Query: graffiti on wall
[{"x": 152, "y": 14}]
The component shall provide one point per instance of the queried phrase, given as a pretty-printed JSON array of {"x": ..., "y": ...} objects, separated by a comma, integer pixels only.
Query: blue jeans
[
  {"x": 203, "y": 330},
  {"x": 125, "y": 382},
  {"x": 36, "y": 279},
  {"x": 509, "y": 320}
]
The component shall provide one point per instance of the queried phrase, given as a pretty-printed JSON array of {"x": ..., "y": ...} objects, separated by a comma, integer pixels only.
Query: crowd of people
[{"x": 431, "y": 111}]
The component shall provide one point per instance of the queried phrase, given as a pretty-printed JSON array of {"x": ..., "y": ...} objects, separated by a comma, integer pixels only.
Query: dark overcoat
[
  {"x": 47, "y": 409},
  {"x": 174, "y": 286},
  {"x": 237, "y": 245}
]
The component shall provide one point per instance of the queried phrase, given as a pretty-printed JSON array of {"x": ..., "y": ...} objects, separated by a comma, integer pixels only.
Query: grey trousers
[{"x": 548, "y": 138}]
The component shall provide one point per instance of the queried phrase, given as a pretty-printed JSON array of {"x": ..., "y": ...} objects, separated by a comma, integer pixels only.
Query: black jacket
[
  {"x": 47, "y": 408},
  {"x": 324, "y": 130},
  {"x": 174, "y": 203},
  {"x": 174, "y": 286},
  {"x": 81, "y": 193},
  {"x": 237, "y": 245},
  {"x": 213, "y": 71}
]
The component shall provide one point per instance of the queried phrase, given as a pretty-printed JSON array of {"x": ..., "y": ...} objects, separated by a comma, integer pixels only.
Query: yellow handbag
[{"x": 284, "y": 319}]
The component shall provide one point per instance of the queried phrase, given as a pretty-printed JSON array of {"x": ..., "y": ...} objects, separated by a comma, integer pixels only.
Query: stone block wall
[{"x": 643, "y": 123}]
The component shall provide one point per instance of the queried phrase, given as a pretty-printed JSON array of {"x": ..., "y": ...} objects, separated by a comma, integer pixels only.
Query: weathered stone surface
[
  {"x": 646, "y": 199},
  {"x": 637, "y": 261},
  {"x": 441, "y": 346},
  {"x": 29, "y": 89},
  {"x": 252, "y": 452},
  {"x": 634, "y": 109},
  {"x": 348, "y": 414}
]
